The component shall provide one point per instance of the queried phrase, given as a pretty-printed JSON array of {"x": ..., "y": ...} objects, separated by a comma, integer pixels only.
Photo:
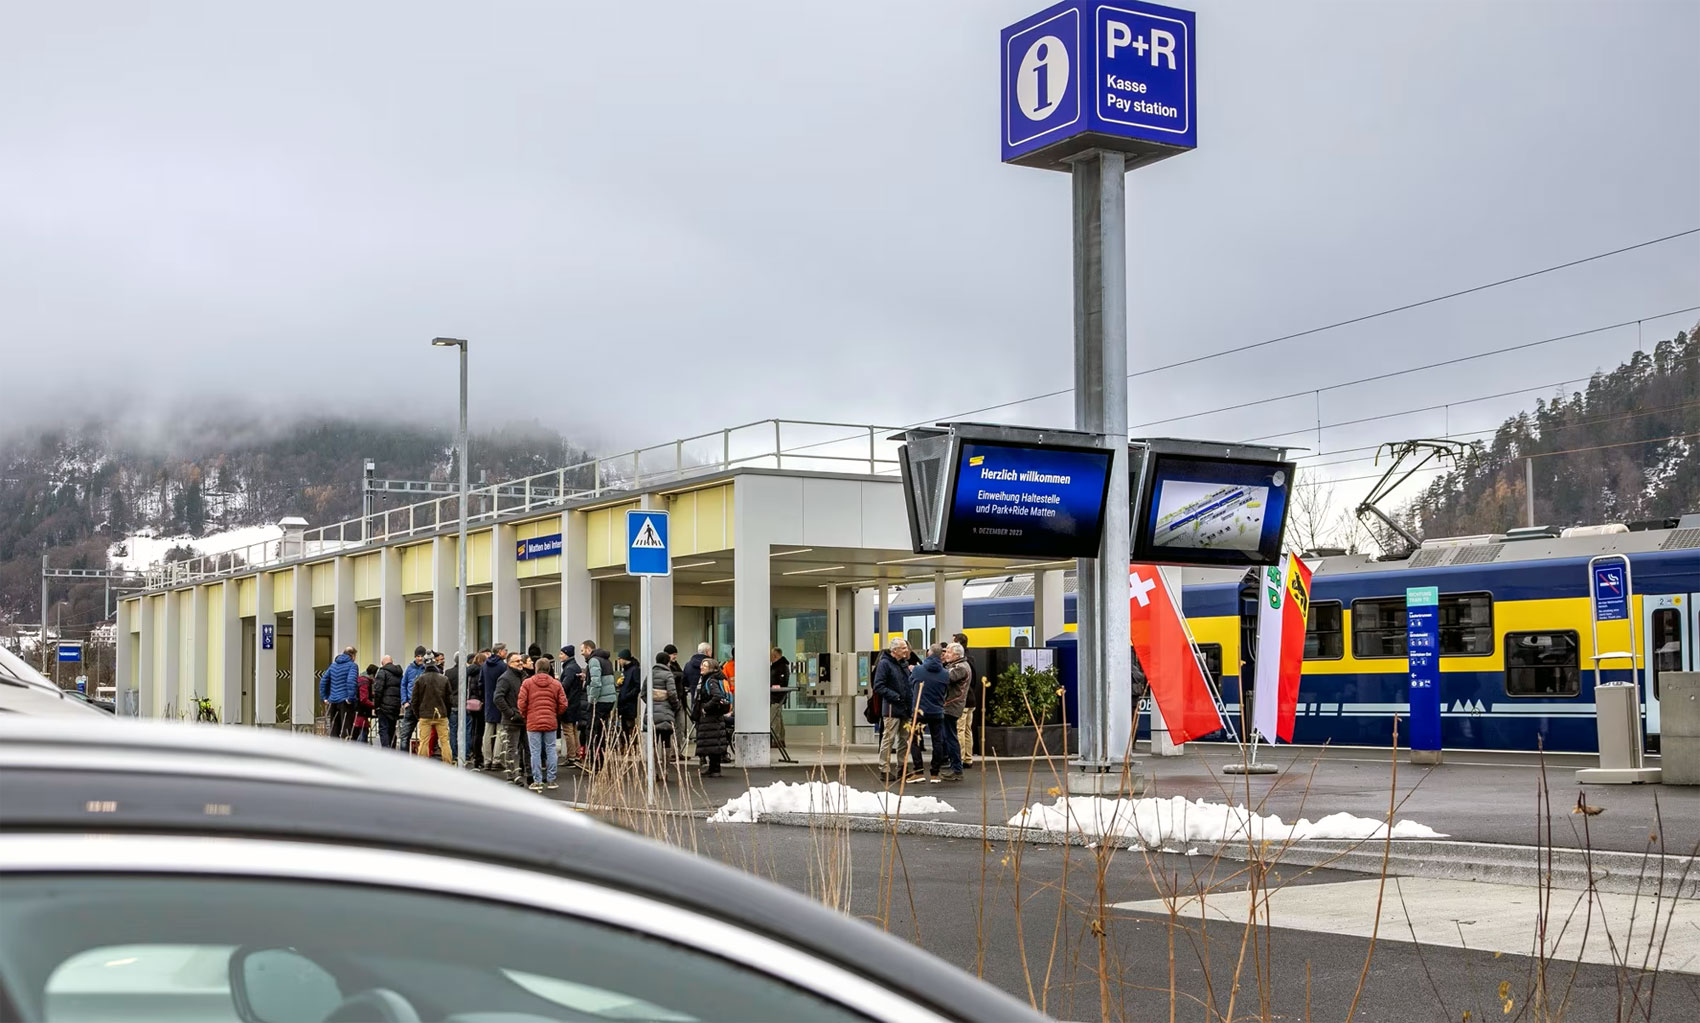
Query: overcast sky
[{"x": 661, "y": 218}]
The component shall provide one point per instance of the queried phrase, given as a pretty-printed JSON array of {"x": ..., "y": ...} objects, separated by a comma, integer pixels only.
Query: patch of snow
[
  {"x": 821, "y": 797},
  {"x": 146, "y": 548},
  {"x": 1152, "y": 823}
]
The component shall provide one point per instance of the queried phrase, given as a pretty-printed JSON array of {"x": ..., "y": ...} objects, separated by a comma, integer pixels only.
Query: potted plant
[{"x": 1023, "y": 714}]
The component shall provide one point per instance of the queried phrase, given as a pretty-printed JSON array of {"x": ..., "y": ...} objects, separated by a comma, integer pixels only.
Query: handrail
[{"x": 599, "y": 477}]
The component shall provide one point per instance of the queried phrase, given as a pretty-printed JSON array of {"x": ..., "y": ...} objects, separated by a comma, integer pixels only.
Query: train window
[
  {"x": 1465, "y": 619},
  {"x": 1666, "y": 644},
  {"x": 1542, "y": 664},
  {"x": 1324, "y": 639},
  {"x": 1378, "y": 627},
  {"x": 1466, "y": 624},
  {"x": 1212, "y": 659}
]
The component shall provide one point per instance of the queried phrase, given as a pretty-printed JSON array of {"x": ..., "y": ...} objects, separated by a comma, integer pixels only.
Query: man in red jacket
[{"x": 542, "y": 701}]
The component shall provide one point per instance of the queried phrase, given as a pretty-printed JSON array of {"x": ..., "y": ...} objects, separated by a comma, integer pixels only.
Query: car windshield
[{"x": 147, "y": 947}]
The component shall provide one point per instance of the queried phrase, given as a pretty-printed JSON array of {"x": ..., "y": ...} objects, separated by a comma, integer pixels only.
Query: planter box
[{"x": 1023, "y": 741}]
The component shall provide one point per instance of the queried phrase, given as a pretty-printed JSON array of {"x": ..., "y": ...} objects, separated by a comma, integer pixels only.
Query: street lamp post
[{"x": 460, "y": 547}]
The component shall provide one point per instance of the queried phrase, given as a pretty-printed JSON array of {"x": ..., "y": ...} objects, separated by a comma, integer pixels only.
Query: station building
[{"x": 783, "y": 543}]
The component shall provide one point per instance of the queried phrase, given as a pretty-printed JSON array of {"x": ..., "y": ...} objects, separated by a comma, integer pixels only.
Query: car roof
[{"x": 225, "y": 780}]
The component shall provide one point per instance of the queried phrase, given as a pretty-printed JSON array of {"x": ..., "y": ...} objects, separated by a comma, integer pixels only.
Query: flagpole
[
  {"x": 1250, "y": 765},
  {"x": 1203, "y": 668}
]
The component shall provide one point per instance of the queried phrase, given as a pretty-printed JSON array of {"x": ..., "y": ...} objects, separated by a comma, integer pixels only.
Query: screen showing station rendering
[
  {"x": 1212, "y": 511},
  {"x": 1022, "y": 501}
]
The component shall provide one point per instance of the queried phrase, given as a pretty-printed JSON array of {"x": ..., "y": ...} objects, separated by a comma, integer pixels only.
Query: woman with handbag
[{"x": 713, "y": 738}]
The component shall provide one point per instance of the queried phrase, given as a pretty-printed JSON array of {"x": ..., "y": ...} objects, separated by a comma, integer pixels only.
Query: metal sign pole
[
  {"x": 1100, "y": 407},
  {"x": 647, "y": 698}
]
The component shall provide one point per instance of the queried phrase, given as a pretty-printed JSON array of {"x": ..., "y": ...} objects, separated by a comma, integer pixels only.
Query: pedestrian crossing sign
[{"x": 646, "y": 543}]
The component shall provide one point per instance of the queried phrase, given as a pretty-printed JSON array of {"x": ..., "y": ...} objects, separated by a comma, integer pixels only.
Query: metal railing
[{"x": 852, "y": 448}]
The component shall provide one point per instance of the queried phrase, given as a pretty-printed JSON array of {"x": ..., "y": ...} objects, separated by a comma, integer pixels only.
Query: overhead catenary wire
[
  {"x": 1532, "y": 454},
  {"x": 1349, "y": 322},
  {"x": 1318, "y": 426},
  {"x": 1614, "y": 417},
  {"x": 1457, "y": 360}
]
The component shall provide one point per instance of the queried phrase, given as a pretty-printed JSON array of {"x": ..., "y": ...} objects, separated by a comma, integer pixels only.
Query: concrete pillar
[
  {"x": 146, "y": 683},
  {"x": 345, "y": 620},
  {"x": 660, "y": 611},
  {"x": 752, "y": 631},
  {"x": 392, "y": 609},
  {"x": 1048, "y": 615},
  {"x": 882, "y": 617},
  {"x": 304, "y": 678},
  {"x": 170, "y": 686},
  {"x": 504, "y": 586},
  {"x": 230, "y": 679},
  {"x": 445, "y": 601},
  {"x": 198, "y": 642},
  {"x": 578, "y": 596},
  {"x": 861, "y": 619},
  {"x": 947, "y": 605},
  {"x": 265, "y": 661},
  {"x": 122, "y": 659}
]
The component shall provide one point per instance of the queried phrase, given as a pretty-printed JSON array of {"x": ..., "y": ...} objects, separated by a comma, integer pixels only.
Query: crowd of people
[
  {"x": 529, "y": 713},
  {"x": 933, "y": 698}
]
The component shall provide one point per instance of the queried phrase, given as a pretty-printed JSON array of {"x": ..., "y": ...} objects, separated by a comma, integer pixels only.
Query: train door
[
  {"x": 1668, "y": 622},
  {"x": 921, "y": 631}
]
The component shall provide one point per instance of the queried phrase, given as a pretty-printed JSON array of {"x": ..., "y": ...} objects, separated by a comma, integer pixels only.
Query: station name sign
[{"x": 537, "y": 547}]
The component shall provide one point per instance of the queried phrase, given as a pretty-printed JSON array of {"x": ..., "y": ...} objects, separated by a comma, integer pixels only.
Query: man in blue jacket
[
  {"x": 891, "y": 685},
  {"x": 931, "y": 680},
  {"x": 494, "y": 667},
  {"x": 410, "y": 720},
  {"x": 339, "y": 686}
]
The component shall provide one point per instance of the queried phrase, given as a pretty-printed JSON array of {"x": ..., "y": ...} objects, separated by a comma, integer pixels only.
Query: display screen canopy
[
  {"x": 1198, "y": 503},
  {"x": 1005, "y": 491}
]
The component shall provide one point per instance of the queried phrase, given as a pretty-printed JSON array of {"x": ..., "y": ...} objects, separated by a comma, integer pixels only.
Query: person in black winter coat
[
  {"x": 386, "y": 700},
  {"x": 495, "y": 666},
  {"x": 513, "y": 722},
  {"x": 713, "y": 737},
  {"x": 474, "y": 670},
  {"x": 630, "y": 695},
  {"x": 891, "y": 685},
  {"x": 577, "y": 713}
]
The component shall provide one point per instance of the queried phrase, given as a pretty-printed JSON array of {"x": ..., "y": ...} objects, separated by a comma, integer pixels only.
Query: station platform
[{"x": 1483, "y": 798}]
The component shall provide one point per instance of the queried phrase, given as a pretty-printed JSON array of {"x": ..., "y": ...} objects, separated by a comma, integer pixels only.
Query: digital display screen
[
  {"x": 1212, "y": 511},
  {"x": 1022, "y": 501}
]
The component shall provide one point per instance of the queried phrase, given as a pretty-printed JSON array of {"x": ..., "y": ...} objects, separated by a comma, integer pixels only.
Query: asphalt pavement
[
  {"x": 1479, "y": 798},
  {"x": 1023, "y": 917}
]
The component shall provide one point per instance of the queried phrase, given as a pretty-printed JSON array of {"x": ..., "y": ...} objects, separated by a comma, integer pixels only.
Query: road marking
[{"x": 1474, "y": 914}]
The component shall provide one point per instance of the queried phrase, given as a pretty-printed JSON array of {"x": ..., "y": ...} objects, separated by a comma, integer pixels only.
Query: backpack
[{"x": 871, "y": 713}]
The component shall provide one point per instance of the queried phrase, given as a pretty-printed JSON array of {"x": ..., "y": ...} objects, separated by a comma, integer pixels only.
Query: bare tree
[{"x": 1315, "y": 519}]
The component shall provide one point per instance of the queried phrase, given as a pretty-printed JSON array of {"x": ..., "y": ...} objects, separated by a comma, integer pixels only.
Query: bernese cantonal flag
[
  {"x": 1171, "y": 665},
  {"x": 1283, "y": 607}
]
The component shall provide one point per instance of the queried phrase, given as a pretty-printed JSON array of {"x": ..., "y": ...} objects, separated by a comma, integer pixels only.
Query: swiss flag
[{"x": 1171, "y": 666}]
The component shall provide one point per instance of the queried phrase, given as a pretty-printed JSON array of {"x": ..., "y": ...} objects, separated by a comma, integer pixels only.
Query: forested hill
[
  {"x": 76, "y": 492},
  {"x": 1625, "y": 449}
]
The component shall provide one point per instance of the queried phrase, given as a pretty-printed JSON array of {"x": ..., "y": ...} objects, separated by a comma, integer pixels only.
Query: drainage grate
[
  {"x": 1478, "y": 555},
  {"x": 1681, "y": 540}
]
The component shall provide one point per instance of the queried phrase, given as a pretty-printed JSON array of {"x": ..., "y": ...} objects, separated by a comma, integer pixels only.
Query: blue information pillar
[{"x": 1422, "y": 646}]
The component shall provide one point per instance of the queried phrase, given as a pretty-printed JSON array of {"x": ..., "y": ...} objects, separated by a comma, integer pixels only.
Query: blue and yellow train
[{"x": 1517, "y": 635}]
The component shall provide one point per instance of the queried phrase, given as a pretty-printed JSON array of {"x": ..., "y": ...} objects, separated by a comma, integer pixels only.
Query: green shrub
[{"x": 1005, "y": 706}]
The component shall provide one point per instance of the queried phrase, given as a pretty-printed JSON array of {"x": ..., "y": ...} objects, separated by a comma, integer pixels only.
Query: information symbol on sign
[
  {"x": 1042, "y": 79},
  {"x": 647, "y": 536}
]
